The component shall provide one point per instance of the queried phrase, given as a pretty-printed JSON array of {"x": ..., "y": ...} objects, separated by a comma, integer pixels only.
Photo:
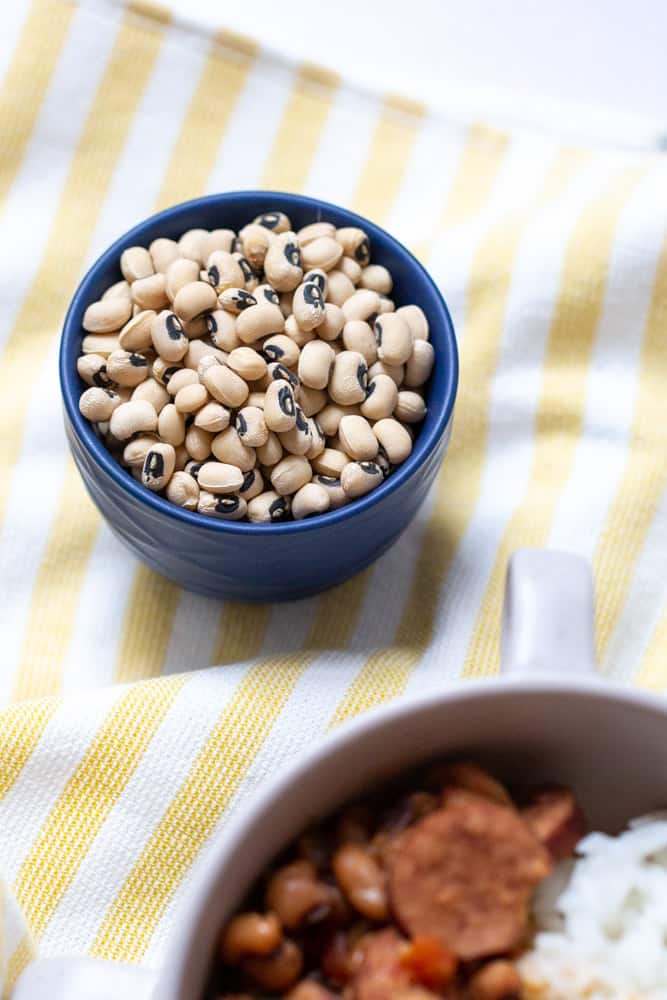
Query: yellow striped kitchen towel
[{"x": 117, "y": 734}]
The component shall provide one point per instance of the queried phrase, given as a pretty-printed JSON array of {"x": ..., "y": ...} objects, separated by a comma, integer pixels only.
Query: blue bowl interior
[{"x": 412, "y": 284}]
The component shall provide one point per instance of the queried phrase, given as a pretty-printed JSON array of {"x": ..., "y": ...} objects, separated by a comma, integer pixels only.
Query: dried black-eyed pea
[
  {"x": 315, "y": 364},
  {"x": 416, "y": 320},
  {"x": 168, "y": 337},
  {"x": 224, "y": 271},
  {"x": 420, "y": 364},
  {"x": 219, "y": 239},
  {"x": 134, "y": 453},
  {"x": 380, "y": 399},
  {"x": 194, "y": 299},
  {"x": 136, "y": 262},
  {"x": 226, "y": 386},
  {"x": 329, "y": 417},
  {"x": 318, "y": 440},
  {"x": 282, "y": 264},
  {"x": 278, "y": 222},
  {"x": 163, "y": 253},
  {"x": 125, "y": 392},
  {"x": 298, "y": 440},
  {"x": 359, "y": 336},
  {"x": 377, "y": 278},
  {"x": 259, "y": 321},
  {"x": 219, "y": 477},
  {"x": 158, "y": 466},
  {"x": 309, "y": 501},
  {"x": 252, "y": 485},
  {"x": 323, "y": 253},
  {"x": 92, "y": 368},
  {"x": 163, "y": 371},
  {"x": 308, "y": 305},
  {"x": 107, "y": 315},
  {"x": 151, "y": 292},
  {"x": 364, "y": 304},
  {"x": 127, "y": 368},
  {"x": 394, "y": 340},
  {"x": 276, "y": 371},
  {"x": 213, "y": 417},
  {"x": 183, "y": 490},
  {"x": 171, "y": 425},
  {"x": 357, "y": 438},
  {"x": 221, "y": 327},
  {"x": 136, "y": 334},
  {"x": 180, "y": 272},
  {"x": 268, "y": 507},
  {"x": 265, "y": 294},
  {"x": 312, "y": 401},
  {"x": 285, "y": 303},
  {"x": 202, "y": 356},
  {"x": 132, "y": 417},
  {"x": 198, "y": 443},
  {"x": 191, "y": 398},
  {"x": 119, "y": 290},
  {"x": 181, "y": 378},
  {"x": 295, "y": 333},
  {"x": 314, "y": 231},
  {"x": 410, "y": 407},
  {"x": 251, "y": 426},
  {"x": 394, "y": 438},
  {"x": 155, "y": 393},
  {"x": 250, "y": 278},
  {"x": 182, "y": 458},
  {"x": 97, "y": 404},
  {"x": 228, "y": 507},
  {"x": 255, "y": 240},
  {"x": 395, "y": 372},
  {"x": 319, "y": 277},
  {"x": 228, "y": 447},
  {"x": 339, "y": 287},
  {"x": 235, "y": 300},
  {"x": 269, "y": 454},
  {"x": 330, "y": 462},
  {"x": 195, "y": 328},
  {"x": 355, "y": 244},
  {"x": 279, "y": 406},
  {"x": 383, "y": 462},
  {"x": 350, "y": 269},
  {"x": 337, "y": 495},
  {"x": 349, "y": 378},
  {"x": 193, "y": 245},
  {"x": 281, "y": 348},
  {"x": 100, "y": 343},
  {"x": 359, "y": 478},
  {"x": 256, "y": 398},
  {"x": 290, "y": 474},
  {"x": 387, "y": 305}
]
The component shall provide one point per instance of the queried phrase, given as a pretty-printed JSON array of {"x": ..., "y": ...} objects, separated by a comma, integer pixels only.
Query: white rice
[{"x": 602, "y": 920}]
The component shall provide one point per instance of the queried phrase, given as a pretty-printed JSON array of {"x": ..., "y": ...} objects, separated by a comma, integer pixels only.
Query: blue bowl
[{"x": 242, "y": 561}]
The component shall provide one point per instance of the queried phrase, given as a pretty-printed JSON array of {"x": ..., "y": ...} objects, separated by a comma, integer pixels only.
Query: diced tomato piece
[{"x": 429, "y": 963}]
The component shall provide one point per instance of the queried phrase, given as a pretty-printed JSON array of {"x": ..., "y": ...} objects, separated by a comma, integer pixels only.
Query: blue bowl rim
[{"x": 69, "y": 381}]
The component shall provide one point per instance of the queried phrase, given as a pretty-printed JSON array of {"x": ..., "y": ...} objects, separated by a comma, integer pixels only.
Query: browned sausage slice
[
  {"x": 556, "y": 820},
  {"x": 464, "y": 875}
]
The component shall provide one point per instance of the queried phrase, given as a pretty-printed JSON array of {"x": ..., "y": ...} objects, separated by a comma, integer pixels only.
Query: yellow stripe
[
  {"x": 27, "y": 80},
  {"x": 645, "y": 476},
  {"x": 207, "y": 117},
  {"x": 298, "y": 137},
  {"x": 240, "y": 632},
  {"x": 337, "y": 614},
  {"x": 88, "y": 798},
  {"x": 146, "y": 628},
  {"x": 21, "y": 729},
  {"x": 560, "y": 410},
  {"x": 482, "y": 156},
  {"x": 196, "y": 808},
  {"x": 21, "y": 957},
  {"x": 652, "y": 673}
]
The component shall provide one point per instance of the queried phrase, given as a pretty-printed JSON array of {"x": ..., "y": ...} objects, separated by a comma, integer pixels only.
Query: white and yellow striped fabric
[{"x": 122, "y": 750}]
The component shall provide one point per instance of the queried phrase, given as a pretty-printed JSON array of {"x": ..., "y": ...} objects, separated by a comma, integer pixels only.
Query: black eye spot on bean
[
  {"x": 378, "y": 333},
  {"x": 362, "y": 375},
  {"x": 241, "y": 424},
  {"x": 278, "y": 509},
  {"x": 174, "y": 327},
  {"x": 193, "y": 470},
  {"x": 214, "y": 275},
  {"x": 292, "y": 254},
  {"x": 248, "y": 480},
  {"x": 269, "y": 220},
  {"x": 110, "y": 393},
  {"x": 328, "y": 480},
  {"x": 211, "y": 324},
  {"x": 248, "y": 272},
  {"x": 286, "y": 400},
  {"x": 237, "y": 245},
  {"x": 154, "y": 465},
  {"x": 363, "y": 251},
  {"x": 371, "y": 319},
  {"x": 227, "y": 505},
  {"x": 371, "y": 468},
  {"x": 244, "y": 299},
  {"x": 312, "y": 294},
  {"x": 302, "y": 420},
  {"x": 100, "y": 378},
  {"x": 383, "y": 462},
  {"x": 273, "y": 352},
  {"x": 168, "y": 374},
  {"x": 271, "y": 296},
  {"x": 313, "y": 278},
  {"x": 279, "y": 371},
  {"x": 370, "y": 389},
  {"x": 138, "y": 361}
]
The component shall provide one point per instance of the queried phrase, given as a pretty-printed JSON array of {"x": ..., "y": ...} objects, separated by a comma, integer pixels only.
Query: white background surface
[{"x": 596, "y": 67}]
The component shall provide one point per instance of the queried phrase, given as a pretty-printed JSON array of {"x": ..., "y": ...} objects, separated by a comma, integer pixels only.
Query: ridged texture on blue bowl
[{"x": 243, "y": 561}]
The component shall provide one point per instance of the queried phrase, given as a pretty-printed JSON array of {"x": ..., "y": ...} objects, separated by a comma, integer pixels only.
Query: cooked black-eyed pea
[
  {"x": 359, "y": 336},
  {"x": 219, "y": 239},
  {"x": 290, "y": 474},
  {"x": 330, "y": 462},
  {"x": 252, "y": 485},
  {"x": 127, "y": 368},
  {"x": 251, "y": 426},
  {"x": 150, "y": 292},
  {"x": 322, "y": 253},
  {"x": 349, "y": 378},
  {"x": 136, "y": 262},
  {"x": 259, "y": 321},
  {"x": 107, "y": 315},
  {"x": 339, "y": 287},
  {"x": 163, "y": 371},
  {"x": 97, "y": 404},
  {"x": 219, "y": 477},
  {"x": 191, "y": 398},
  {"x": 221, "y": 327},
  {"x": 279, "y": 406},
  {"x": 168, "y": 337},
  {"x": 308, "y": 305},
  {"x": 134, "y": 453},
  {"x": 193, "y": 245},
  {"x": 181, "y": 378},
  {"x": 180, "y": 272},
  {"x": 299, "y": 439},
  {"x": 357, "y": 438},
  {"x": 394, "y": 340},
  {"x": 198, "y": 443},
  {"x": 213, "y": 417},
  {"x": 235, "y": 300},
  {"x": 295, "y": 333},
  {"x": 183, "y": 490},
  {"x": 310, "y": 500},
  {"x": 410, "y": 407},
  {"x": 312, "y": 401},
  {"x": 329, "y": 417},
  {"x": 350, "y": 269},
  {"x": 314, "y": 231},
  {"x": 420, "y": 364},
  {"x": 100, "y": 343},
  {"x": 226, "y": 386},
  {"x": 278, "y": 222},
  {"x": 416, "y": 319},
  {"x": 228, "y": 447},
  {"x": 158, "y": 466},
  {"x": 315, "y": 364},
  {"x": 250, "y": 278},
  {"x": 394, "y": 438},
  {"x": 171, "y": 425},
  {"x": 331, "y": 484},
  {"x": 92, "y": 368},
  {"x": 119, "y": 290},
  {"x": 268, "y": 507},
  {"x": 281, "y": 348},
  {"x": 136, "y": 334},
  {"x": 265, "y": 294},
  {"x": 395, "y": 372},
  {"x": 131, "y": 418},
  {"x": 359, "y": 478},
  {"x": 380, "y": 399},
  {"x": 355, "y": 243},
  {"x": 194, "y": 299},
  {"x": 163, "y": 253},
  {"x": 224, "y": 271},
  {"x": 282, "y": 264},
  {"x": 227, "y": 507},
  {"x": 364, "y": 304},
  {"x": 269, "y": 454},
  {"x": 255, "y": 240},
  {"x": 377, "y": 278}
]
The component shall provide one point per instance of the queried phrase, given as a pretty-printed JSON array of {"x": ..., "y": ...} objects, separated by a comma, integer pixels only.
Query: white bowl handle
[
  {"x": 548, "y": 614},
  {"x": 83, "y": 979}
]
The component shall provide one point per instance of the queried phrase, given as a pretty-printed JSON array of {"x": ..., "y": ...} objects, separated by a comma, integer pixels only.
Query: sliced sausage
[
  {"x": 464, "y": 875},
  {"x": 381, "y": 974},
  {"x": 556, "y": 820}
]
